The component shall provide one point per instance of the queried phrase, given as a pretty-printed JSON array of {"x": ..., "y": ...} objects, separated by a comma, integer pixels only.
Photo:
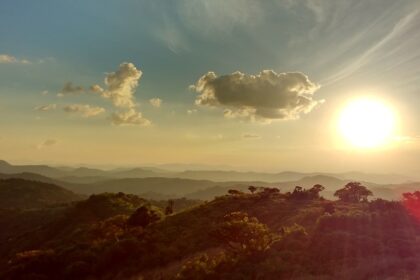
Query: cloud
[
  {"x": 216, "y": 17},
  {"x": 46, "y": 108},
  {"x": 96, "y": 89},
  {"x": 70, "y": 89},
  {"x": 119, "y": 88},
  {"x": 155, "y": 102},
  {"x": 44, "y": 93},
  {"x": 9, "y": 59},
  {"x": 130, "y": 117},
  {"x": 86, "y": 110},
  {"x": 47, "y": 143},
  {"x": 121, "y": 85},
  {"x": 251, "y": 136},
  {"x": 191, "y": 111},
  {"x": 266, "y": 96}
]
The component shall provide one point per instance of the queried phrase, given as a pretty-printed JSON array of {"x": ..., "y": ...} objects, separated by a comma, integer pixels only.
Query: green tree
[{"x": 353, "y": 192}]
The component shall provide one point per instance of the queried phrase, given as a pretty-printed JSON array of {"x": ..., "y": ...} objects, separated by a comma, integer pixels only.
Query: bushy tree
[
  {"x": 244, "y": 235},
  {"x": 252, "y": 189},
  {"x": 300, "y": 193},
  {"x": 234, "y": 192},
  {"x": 143, "y": 216},
  {"x": 353, "y": 192}
]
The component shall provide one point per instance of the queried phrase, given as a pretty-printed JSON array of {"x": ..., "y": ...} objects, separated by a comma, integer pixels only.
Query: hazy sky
[{"x": 251, "y": 84}]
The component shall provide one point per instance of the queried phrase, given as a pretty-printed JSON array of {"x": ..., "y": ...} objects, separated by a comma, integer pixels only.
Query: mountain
[
  {"x": 44, "y": 170},
  {"x": 20, "y": 193},
  {"x": 74, "y": 175},
  {"x": 165, "y": 186}
]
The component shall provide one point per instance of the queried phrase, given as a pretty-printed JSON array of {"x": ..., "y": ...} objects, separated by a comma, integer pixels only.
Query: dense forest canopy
[{"x": 261, "y": 233}]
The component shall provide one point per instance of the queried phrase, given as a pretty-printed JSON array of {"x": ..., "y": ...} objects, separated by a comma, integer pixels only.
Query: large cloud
[
  {"x": 85, "y": 110},
  {"x": 129, "y": 117},
  {"x": 120, "y": 85},
  {"x": 265, "y": 96}
]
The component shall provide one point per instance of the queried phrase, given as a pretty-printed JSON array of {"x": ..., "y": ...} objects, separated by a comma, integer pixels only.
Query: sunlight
[{"x": 366, "y": 123}]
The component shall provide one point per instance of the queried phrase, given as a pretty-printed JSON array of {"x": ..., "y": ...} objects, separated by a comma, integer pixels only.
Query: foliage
[
  {"x": 143, "y": 216},
  {"x": 300, "y": 193},
  {"x": 353, "y": 192},
  {"x": 244, "y": 235}
]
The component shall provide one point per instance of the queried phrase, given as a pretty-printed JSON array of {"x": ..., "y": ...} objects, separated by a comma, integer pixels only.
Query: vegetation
[
  {"x": 262, "y": 234},
  {"x": 353, "y": 192}
]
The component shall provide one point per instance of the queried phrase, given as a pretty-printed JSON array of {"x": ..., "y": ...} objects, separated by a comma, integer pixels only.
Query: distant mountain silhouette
[
  {"x": 73, "y": 175},
  {"x": 22, "y": 194}
]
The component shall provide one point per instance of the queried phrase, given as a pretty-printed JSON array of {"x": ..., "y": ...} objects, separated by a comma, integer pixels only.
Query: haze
[{"x": 242, "y": 85}]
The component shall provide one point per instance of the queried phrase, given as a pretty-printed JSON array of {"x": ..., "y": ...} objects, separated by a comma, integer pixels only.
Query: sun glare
[{"x": 367, "y": 123}]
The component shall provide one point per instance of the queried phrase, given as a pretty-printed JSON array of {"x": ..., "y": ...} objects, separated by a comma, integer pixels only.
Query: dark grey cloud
[{"x": 265, "y": 96}]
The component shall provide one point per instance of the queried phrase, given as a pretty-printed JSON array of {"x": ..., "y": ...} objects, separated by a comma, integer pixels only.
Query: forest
[{"x": 261, "y": 233}]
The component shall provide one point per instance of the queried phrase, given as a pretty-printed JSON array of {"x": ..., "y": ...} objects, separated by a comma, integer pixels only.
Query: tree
[
  {"x": 300, "y": 193},
  {"x": 252, "y": 189},
  {"x": 143, "y": 216},
  {"x": 234, "y": 192},
  {"x": 170, "y": 208},
  {"x": 353, "y": 192},
  {"x": 244, "y": 235}
]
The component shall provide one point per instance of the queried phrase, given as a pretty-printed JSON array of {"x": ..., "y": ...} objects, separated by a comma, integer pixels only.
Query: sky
[{"x": 243, "y": 84}]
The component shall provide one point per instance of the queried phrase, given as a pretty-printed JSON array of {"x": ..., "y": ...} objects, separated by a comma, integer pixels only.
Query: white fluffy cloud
[
  {"x": 129, "y": 117},
  {"x": 46, "y": 108},
  {"x": 85, "y": 110},
  {"x": 121, "y": 85},
  {"x": 9, "y": 59},
  {"x": 265, "y": 96},
  {"x": 155, "y": 102}
]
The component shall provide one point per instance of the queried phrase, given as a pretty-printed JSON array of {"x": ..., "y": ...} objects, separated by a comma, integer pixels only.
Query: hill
[
  {"x": 20, "y": 193},
  {"x": 264, "y": 235}
]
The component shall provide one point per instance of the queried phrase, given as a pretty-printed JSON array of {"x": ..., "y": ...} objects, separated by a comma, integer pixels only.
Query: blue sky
[{"x": 348, "y": 48}]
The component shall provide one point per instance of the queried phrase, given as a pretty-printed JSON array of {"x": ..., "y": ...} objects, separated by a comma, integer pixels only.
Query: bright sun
[{"x": 367, "y": 123}]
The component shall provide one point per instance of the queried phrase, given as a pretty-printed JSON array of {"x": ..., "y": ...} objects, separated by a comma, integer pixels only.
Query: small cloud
[
  {"x": 130, "y": 117},
  {"x": 47, "y": 143},
  {"x": 155, "y": 102},
  {"x": 70, "y": 89},
  {"x": 191, "y": 111},
  {"x": 86, "y": 110},
  {"x": 9, "y": 59},
  {"x": 46, "y": 108},
  {"x": 44, "y": 93},
  {"x": 250, "y": 136},
  {"x": 96, "y": 89}
]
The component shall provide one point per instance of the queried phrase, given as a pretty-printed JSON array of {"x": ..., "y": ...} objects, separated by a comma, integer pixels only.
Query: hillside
[
  {"x": 20, "y": 193},
  {"x": 279, "y": 237}
]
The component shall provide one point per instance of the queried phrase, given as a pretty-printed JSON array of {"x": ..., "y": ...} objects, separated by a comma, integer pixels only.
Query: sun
[{"x": 367, "y": 123}]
